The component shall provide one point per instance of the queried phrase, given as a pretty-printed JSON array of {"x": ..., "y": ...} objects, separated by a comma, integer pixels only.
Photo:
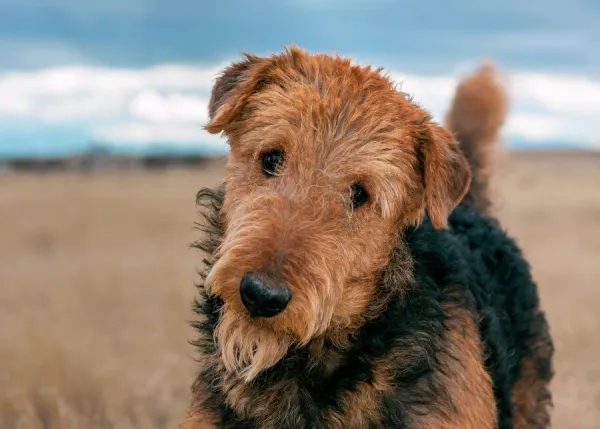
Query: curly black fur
[{"x": 473, "y": 265}]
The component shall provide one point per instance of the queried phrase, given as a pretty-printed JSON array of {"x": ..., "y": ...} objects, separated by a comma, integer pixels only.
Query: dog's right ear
[
  {"x": 446, "y": 172},
  {"x": 232, "y": 89}
]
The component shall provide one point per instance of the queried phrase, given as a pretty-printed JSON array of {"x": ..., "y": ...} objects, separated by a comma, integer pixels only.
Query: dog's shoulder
[{"x": 477, "y": 260}]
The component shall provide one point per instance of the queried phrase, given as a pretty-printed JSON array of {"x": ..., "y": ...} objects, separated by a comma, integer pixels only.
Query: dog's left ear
[
  {"x": 446, "y": 173},
  {"x": 232, "y": 90}
]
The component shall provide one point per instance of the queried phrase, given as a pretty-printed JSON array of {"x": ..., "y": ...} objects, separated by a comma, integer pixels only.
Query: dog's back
[
  {"x": 495, "y": 280},
  {"x": 514, "y": 331}
]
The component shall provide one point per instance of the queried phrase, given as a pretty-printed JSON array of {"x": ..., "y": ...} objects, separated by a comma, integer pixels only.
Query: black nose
[{"x": 261, "y": 299}]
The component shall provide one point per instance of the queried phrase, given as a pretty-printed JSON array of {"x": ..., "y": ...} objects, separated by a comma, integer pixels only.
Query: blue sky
[{"x": 136, "y": 74}]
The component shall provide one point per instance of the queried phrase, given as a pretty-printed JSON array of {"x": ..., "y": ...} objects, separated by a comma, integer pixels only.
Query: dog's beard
[{"x": 247, "y": 348}]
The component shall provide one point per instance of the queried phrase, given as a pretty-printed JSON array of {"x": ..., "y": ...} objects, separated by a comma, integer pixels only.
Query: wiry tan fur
[
  {"x": 290, "y": 226},
  {"x": 470, "y": 395}
]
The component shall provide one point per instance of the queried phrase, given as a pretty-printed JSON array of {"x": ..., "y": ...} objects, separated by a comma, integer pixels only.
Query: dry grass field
[{"x": 96, "y": 280}]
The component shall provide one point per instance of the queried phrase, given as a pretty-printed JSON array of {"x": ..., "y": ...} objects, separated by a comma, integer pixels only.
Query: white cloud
[
  {"x": 13, "y": 103},
  {"x": 432, "y": 93},
  {"x": 76, "y": 94},
  {"x": 536, "y": 126},
  {"x": 545, "y": 107},
  {"x": 168, "y": 103},
  {"x": 63, "y": 81},
  {"x": 142, "y": 132},
  {"x": 571, "y": 95},
  {"x": 91, "y": 106},
  {"x": 154, "y": 107}
]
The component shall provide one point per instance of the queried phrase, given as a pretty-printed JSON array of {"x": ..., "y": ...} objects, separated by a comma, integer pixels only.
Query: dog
[{"x": 354, "y": 274}]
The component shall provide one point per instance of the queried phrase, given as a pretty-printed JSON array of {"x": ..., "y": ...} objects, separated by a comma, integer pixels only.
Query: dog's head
[{"x": 328, "y": 162}]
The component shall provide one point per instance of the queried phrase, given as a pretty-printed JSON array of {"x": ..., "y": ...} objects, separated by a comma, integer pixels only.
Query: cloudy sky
[{"x": 136, "y": 74}]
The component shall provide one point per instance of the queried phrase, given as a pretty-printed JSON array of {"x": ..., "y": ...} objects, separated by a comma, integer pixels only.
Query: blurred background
[{"x": 102, "y": 104}]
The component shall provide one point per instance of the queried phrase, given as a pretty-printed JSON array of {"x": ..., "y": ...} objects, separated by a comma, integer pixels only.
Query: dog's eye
[
  {"x": 270, "y": 161},
  {"x": 359, "y": 195}
]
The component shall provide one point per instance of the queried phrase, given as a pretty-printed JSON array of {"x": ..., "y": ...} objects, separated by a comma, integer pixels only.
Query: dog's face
[{"x": 328, "y": 161}]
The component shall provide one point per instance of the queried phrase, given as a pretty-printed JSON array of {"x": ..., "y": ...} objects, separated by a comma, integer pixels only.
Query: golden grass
[{"x": 96, "y": 281}]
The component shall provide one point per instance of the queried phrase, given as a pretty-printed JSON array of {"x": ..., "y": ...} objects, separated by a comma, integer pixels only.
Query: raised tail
[{"x": 477, "y": 113}]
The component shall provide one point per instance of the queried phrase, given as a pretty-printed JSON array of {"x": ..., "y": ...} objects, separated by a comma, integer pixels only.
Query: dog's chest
[
  {"x": 291, "y": 405},
  {"x": 333, "y": 394}
]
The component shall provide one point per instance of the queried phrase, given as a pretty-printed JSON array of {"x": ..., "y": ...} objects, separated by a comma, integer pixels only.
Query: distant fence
[{"x": 88, "y": 163}]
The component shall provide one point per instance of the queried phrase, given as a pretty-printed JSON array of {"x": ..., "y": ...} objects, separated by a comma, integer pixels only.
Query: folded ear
[
  {"x": 446, "y": 173},
  {"x": 232, "y": 90}
]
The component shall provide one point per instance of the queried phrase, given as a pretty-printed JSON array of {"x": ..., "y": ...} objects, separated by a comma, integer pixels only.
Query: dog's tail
[{"x": 478, "y": 112}]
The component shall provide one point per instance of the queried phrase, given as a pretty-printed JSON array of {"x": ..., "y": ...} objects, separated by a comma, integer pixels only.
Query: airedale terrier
[{"x": 355, "y": 275}]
